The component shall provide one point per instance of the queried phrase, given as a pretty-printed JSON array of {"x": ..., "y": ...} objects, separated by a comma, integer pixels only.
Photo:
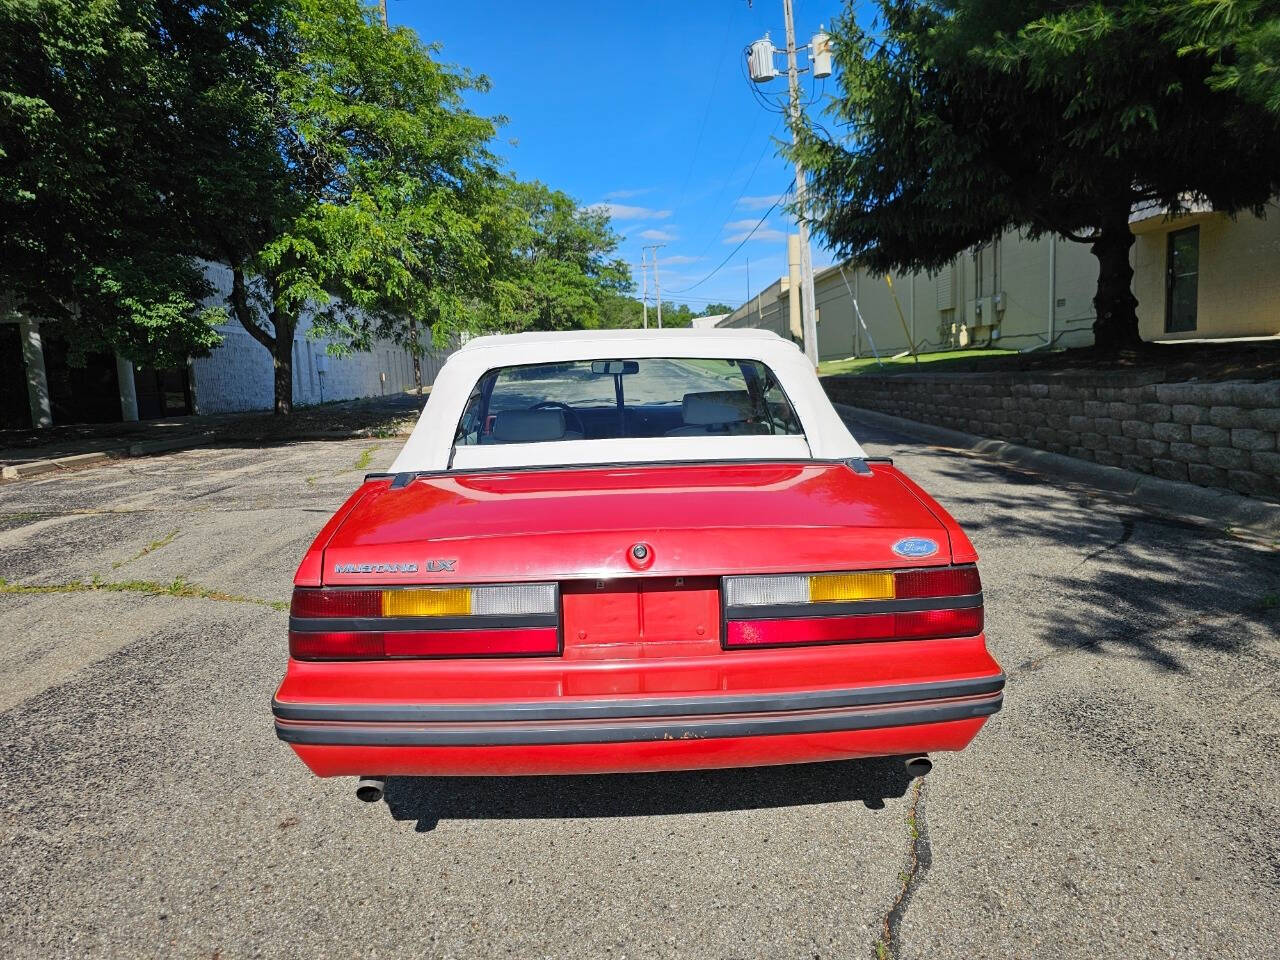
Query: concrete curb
[
  {"x": 1218, "y": 507},
  {"x": 36, "y": 468},
  {"x": 142, "y": 448}
]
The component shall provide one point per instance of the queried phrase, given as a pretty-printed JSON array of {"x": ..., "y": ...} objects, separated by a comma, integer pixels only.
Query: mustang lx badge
[
  {"x": 430, "y": 566},
  {"x": 915, "y": 547},
  {"x": 375, "y": 568}
]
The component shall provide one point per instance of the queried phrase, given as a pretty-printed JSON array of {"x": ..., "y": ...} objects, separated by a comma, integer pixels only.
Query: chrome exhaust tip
[
  {"x": 370, "y": 789},
  {"x": 917, "y": 766}
]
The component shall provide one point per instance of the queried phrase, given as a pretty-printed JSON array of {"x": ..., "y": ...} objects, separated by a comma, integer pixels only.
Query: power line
[
  {"x": 746, "y": 185},
  {"x": 735, "y": 250}
]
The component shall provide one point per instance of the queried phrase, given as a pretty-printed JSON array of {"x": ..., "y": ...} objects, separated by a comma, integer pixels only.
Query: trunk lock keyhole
[{"x": 640, "y": 556}]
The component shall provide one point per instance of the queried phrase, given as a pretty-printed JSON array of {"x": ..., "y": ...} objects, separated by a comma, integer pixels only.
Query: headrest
[
  {"x": 528, "y": 426},
  {"x": 716, "y": 406}
]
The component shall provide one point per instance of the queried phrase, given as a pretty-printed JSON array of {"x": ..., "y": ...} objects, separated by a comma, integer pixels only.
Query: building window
[{"x": 1182, "y": 280}]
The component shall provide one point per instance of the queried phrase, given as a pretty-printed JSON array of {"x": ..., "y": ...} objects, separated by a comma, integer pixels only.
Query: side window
[
  {"x": 470, "y": 426},
  {"x": 781, "y": 415}
]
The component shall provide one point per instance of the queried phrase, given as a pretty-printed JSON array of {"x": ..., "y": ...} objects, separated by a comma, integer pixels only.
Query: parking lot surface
[{"x": 1124, "y": 803}]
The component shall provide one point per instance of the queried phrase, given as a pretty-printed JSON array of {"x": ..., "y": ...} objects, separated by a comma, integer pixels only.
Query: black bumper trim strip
[
  {"x": 635, "y": 708},
  {"x": 812, "y": 611},
  {"x": 701, "y": 728}
]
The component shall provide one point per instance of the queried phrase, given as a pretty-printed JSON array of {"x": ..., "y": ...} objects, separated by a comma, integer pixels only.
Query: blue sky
[{"x": 643, "y": 106}]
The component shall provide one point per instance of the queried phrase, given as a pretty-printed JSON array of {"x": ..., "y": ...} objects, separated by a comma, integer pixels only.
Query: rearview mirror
[{"x": 612, "y": 368}]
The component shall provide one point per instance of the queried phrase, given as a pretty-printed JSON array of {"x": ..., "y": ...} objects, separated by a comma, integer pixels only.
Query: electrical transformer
[{"x": 760, "y": 60}]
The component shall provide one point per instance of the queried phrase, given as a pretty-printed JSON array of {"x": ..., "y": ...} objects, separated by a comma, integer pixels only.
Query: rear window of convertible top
[{"x": 608, "y": 399}]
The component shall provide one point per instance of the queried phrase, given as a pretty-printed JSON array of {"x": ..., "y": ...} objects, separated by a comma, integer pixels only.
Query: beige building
[{"x": 1202, "y": 275}]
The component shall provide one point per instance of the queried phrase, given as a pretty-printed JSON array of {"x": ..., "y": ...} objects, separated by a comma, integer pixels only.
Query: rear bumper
[{"x": 636, "y": 733}]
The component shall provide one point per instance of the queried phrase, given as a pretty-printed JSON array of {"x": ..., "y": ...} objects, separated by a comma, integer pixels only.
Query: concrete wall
[
  {"x": 767, "y": 310},
  {"x": 238, "y": 376},
  {"x": 939, "y": 309},
  {"x": 1239, "y": 293},
  {"x": 1213, "y": 434}
]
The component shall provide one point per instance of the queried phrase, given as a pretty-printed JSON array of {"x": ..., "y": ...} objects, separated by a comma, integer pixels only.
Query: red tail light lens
[
  {"x": 777, "y": 633},
  {"x": 336, "y": 603},
  {"x": 947, "y": 582},
  {"x": 349, "y": 645},
  {"x": 927, "y": 624},
  {"x": 337, "y": 645}
]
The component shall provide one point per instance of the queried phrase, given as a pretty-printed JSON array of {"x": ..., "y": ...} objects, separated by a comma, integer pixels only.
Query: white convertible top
[{"x": 430, "y": 445}]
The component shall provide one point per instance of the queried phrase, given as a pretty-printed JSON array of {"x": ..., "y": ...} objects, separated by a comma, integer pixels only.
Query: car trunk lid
[{"x": 703, "y": 520}]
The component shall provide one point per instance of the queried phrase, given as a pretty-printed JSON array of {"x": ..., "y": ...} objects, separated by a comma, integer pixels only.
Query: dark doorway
[
  {"x": 15, "y": 409},
  {"x": 1182, "y": 280},
  {"x": 162, "y": 393},
  {"x": 79, "y": 394}
]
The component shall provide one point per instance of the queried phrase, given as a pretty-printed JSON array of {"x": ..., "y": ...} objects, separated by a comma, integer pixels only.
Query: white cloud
[
  {"x": 678, "y": 259},
  {"x": 627, "y": 194},
  {"x": 768, "y": 233},
  {"x": 763, "y": 202},
  {"x": 733, "y": 225},
  {"x": 621, "y": 211},
  {"x": 657, "y": 236}
]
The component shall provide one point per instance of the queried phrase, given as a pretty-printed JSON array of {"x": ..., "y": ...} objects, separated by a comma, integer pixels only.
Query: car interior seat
[
  {"x": 529, "y": 426},
  {"x": 716, "y": 412}
]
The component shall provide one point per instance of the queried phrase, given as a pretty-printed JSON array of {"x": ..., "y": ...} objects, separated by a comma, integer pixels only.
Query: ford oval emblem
[{"x": 915, "y": 547}]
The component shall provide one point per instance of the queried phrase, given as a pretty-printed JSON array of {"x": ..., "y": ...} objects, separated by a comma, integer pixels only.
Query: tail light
[
  {"x": 373, "y": 624},
  {"x": 849, "y": 607}
]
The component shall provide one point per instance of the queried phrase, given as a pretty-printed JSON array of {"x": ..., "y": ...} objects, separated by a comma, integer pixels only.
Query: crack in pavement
[
  {"x": 152, "y": 547},
  {"x": 919, "y": 860},
  {"x": 37, "y": 515},
  {"x": 1126, "y": 533},
  {"x": 152, "y": 588}
]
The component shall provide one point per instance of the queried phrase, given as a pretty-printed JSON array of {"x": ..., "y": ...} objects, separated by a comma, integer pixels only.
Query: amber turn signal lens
[
  {"x": 840, "y": 587},
  {"x": 426, "y": 603}
]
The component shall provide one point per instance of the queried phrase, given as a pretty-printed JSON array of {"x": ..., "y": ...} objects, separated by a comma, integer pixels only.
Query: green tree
[
  {"x": 95, "y": 166},
  {"x": 559, "y": 272},
  {"x": 625, "y": 312},
  {"x": 964, "y": 118},
  {"x": 359, "y": 192},
  {"x": 1241, "y": 38}
]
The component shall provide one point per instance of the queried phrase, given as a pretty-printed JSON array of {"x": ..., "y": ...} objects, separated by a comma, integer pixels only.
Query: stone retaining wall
[{"x": 1212, "y": 434}]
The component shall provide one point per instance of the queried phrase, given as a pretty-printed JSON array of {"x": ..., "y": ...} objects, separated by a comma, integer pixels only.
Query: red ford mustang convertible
[{"x": 632, "y": 551}]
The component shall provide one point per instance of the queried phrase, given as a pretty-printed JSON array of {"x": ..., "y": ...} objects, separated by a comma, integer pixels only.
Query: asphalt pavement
[{"x": 1124, "y": 803}]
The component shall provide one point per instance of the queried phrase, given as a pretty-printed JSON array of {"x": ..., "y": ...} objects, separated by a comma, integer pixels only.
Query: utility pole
[
  {"x": 413, "y": 321},
  {"x": 761, "y": 69},
  {"x": 644, "y": 297},
  {"x": 809, "y": 320},
  {"x": 657, "y": 282},
  {"x": 657, "y": 286}
]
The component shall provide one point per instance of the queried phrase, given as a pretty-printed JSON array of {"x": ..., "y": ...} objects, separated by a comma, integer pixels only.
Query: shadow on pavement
[
  {"x": 1140, "y": 586},
  {"x": 429, "y": 800}
]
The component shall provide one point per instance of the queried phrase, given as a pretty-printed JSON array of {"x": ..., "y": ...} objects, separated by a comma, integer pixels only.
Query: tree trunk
[
  {"x": 280, "y": 346},
  {"x": 1116, "y": 308},
  {"x": 282, "y": 360}
]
